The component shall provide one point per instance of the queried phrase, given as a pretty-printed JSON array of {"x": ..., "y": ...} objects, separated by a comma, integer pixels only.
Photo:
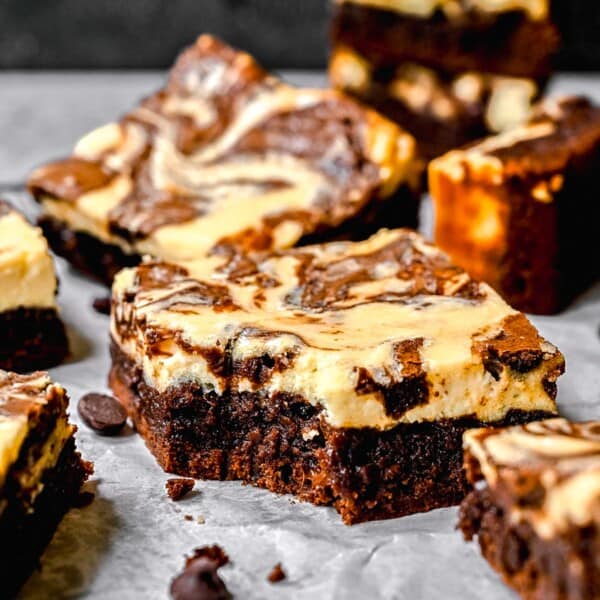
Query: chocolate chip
[
  {"x": 177, "y": 488},
  {"x": 277, "y": 574},
  {"x": 200, "y": 580},
  {"x": 102, "y": 413},
  {"x": 102, "y": 305}
]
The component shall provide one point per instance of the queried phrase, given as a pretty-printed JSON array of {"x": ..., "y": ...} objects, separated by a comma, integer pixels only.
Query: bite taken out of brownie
[{"x": 344, "y": 373}]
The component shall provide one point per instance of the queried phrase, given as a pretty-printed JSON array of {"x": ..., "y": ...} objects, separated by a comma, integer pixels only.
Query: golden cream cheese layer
[
  {"x": 535, "y": 9},
  {"x": 360, "y": 331},
  {"x": 565, "y": 459},
  {"x": 17, "y": 394},
  {"x": 26, "y": 269}
]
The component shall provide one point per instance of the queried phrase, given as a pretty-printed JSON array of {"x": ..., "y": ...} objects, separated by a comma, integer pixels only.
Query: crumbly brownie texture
[
  {"x": 227, "y": 156},
  {"x": 535, "y": 508},
  {"x": 443, "y": 110},
  {"x": 33, "y": 336},
  {"x": 511, "y": 39},
  {"x": 520, "y": 211},
  {"x": 41, "y": 472},
  {"x": 344, "y": 373}
]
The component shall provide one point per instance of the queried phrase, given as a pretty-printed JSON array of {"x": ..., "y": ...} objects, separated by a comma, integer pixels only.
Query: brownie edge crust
[{"x": 283, "y": 444}]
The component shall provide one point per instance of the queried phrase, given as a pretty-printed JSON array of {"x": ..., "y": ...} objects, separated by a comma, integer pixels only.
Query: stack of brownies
[{"x": 275, "y": 319}]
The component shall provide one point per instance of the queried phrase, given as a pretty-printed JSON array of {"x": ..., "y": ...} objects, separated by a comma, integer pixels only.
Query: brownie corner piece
[
  {"x": 33, "y": 335},
  {"x": 535, "y": 506},
  {"x": 41, "y": 471},
  {"x": 344, "y": 373},
  {"x": 226, "y": 157},
  {"x": 519, "y": 209}
]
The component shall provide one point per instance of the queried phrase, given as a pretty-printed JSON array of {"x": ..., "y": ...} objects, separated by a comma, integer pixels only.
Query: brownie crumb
[
  {"x": 102, "y": 305},
  {"x": 84, "y": 499},
  {"x": 102, "y": 413},
  {"x": 179, "y": 487},
  {"x": 277, "y": 574},
  {"x": 188, "y": 517},
  {"x": 199, "y": 580}
]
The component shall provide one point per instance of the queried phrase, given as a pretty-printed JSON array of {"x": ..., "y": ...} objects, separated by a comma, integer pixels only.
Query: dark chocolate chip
[
  {"x": 102, "y": 413},
  {"x": 178, "y": 488},
  {"x": 277, "y": 574},
  {"x": 200, "y": 580},
  {"x": 102, "y": 305}
]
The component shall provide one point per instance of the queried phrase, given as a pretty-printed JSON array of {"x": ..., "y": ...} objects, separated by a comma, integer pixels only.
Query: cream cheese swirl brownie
[
  {"x": 536, "y": 506},
  {"x": 344, "y": 373},
  {"x": 226, "y": 156},
  {"x": 41, "y": 471},
  {"x": 33, "y": 335},
  {"x": 450, "y": 71},
  {"x": 519, "y": 210}
]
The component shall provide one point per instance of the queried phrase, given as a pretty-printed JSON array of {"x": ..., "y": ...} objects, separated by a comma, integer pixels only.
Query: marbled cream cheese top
[
  {"x": 22, "y": 397},
  {"x": 535, "y": 9},
  {"x": 549, "y": 469},
  {"x": 224, "y": 156},
  {"x": 27, "y": 276},
  {"x": 376, "y": 332}
]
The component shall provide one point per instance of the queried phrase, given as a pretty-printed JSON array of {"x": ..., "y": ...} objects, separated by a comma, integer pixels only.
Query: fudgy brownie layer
[
  {"x": 32, "y": 339},
  {"x": 508, "y": 44},
  {"x": 281, "y": 443},
  {"x": 25, "y": 534},
  {"x": 561, "y": 568},
  {"x": 103, "y": 261},
  {"x": 85, "y": 252}
]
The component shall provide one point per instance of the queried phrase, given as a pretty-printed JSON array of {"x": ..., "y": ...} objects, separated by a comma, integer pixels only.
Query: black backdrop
[{"x": 149, "y": 33}]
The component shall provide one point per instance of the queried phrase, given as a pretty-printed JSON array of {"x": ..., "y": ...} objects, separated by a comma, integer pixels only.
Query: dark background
[{"x": 149, "y": 33}]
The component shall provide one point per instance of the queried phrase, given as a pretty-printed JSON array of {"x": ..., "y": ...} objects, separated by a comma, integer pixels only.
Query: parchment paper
[{"x": 132, "y": 539}]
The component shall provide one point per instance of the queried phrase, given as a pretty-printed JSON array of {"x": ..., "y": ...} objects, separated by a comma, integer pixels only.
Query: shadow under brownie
[{"x": 344, "y": 373}]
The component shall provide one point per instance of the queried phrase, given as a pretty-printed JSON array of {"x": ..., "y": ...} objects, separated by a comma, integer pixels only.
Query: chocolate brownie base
[
  {"x": 508, "y": 43},
  {"x": 25, "y": 534},
  {"x": 32, "y": 339},
  {"x": 103, "y": 261},
  {"x": 85, "y": 252},
  {"x": 560, "y": 568},
  {"x": 284, "y": 445}
]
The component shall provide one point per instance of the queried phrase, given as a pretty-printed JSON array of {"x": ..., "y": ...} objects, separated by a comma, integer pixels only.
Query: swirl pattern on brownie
[
  {"x": 549, "y": 470},
  {"x": 226, "y": 155},
  {"x": 375, "y": 332}
]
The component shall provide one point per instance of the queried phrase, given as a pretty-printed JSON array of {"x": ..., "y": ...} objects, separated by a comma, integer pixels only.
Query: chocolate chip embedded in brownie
[
  {"x": 226, "y": 156},
  {"x": 535, "y": 508},
  {"x": 519, "y": 210},
  {"x": 344, "y": 373}
]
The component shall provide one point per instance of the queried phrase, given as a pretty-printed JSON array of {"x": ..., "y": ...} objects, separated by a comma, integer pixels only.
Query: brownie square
[
  {"x": 33, "y": 336},
  {"x": 344, "y": 373},
  {"x": 519, "y": 210},
  {"x": 41, "y": 471},
  {"x": 535, "y": 509},
  {"x": 449, "y": 72},
  {"x": 226, "y": 157}
]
